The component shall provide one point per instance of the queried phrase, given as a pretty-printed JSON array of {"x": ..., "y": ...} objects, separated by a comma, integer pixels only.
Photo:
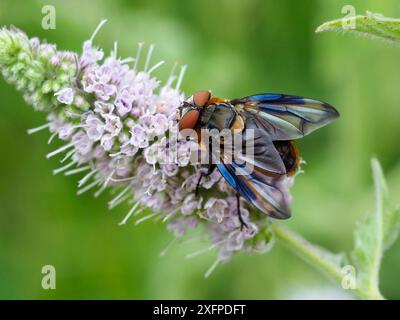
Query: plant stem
[
  {"x": 305, "y": 250},
  {"x": 315, "y": 256}
]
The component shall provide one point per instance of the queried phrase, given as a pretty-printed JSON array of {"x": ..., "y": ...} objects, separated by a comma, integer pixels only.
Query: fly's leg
[
  {"x": 242, "y": 223},
  {"x": 211, "y": 168}
]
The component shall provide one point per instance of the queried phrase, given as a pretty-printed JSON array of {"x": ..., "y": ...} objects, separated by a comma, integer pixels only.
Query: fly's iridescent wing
[
  {"x": 257, "y": 172},
  {"x": 270, "y": 195},
  {"x": 285, "y": 117}
]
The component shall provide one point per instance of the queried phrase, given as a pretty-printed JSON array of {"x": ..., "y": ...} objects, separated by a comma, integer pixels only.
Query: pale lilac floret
[
  {"x": 185, "y": 151},
  {"x": 191, "y": 204},
  {"x": 151, "y": 154},
  {"x": 123, "y": 166},
  {"x": 113, "y": 124},
  {"x": 170, "y": 169},
  {"x": 65, "y": 96},
  {"x": 209, "y": 180},
  {"x": 82, "y": 142},
  {"x": 103, "y": 108},
  {"x": 123, "y": 102},
  {"x": 168, "y": 100},
  {"x": 65, "y": 131},
  {"x": 217, "y": 209},
  {"x": 154, "y": 202},
  {"x": 138, "y": 138},
  {"x": 146, "y": 121},
  {"x": 160, "y": 124},
  {"x": 142, "y": 90},
  {"x": 103, "y": 90},
  {"x": 107, "y": 141},
  {"x": 94, "y": 127},
  {"x": 128, "y": 150},
  {"x": 90, "y": 54}
]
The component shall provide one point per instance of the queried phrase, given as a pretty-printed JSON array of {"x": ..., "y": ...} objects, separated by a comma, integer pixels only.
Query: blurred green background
[{"x": 236, "y": 48}]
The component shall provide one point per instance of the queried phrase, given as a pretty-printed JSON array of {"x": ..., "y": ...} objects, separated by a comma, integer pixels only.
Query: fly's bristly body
[{"x": 274, "y": 121}]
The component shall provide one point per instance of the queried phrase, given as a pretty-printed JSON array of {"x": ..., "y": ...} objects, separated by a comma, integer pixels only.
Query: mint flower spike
[
  {"x": 117, "y": 121},
  {"x": 371, "y": 25}
]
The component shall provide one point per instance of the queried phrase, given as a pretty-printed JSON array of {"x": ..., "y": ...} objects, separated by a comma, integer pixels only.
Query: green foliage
[
  {"x": 327, "y": 262},
  {"x": 378, "y": 231},
  {"x": 374, "y": 235},
  {"x": 371, "y": 25}
]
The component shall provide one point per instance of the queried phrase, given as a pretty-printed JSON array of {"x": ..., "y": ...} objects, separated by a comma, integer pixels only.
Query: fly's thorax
[
  {"x": 218, "y": 116},
  {"x": 206, "y": 114}
]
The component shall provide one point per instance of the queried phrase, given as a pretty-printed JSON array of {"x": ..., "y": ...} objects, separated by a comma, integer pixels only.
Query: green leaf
[
  {"x": 390, "y": 213},
  {"x": 373, "y": 236},
  {"x": 371, "y": 25}
]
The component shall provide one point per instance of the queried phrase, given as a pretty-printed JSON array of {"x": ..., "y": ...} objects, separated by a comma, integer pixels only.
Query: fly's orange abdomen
[{"x": 289, "y": 154}]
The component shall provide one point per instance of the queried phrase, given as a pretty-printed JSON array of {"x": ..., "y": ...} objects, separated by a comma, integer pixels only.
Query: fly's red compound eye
[
  {"x": 189, "y": 120},
  {"x": 200, "y": 98},
  {"x": 189, "y": 112}
]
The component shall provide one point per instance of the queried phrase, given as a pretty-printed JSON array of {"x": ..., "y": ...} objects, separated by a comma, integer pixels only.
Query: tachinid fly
[{"x": 275, "y": 120}]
